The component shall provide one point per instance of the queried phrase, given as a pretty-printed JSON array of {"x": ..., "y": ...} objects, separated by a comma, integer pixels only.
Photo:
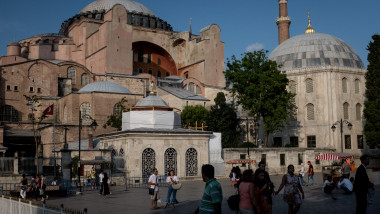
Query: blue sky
[{"x": 245, "y": 24}]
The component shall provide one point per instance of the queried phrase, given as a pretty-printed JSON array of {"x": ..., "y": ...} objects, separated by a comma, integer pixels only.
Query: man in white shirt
[
  {"x": 345, "y": 185},
  {"x": 101, "y": 176},
  {"x": 153, "y": 181},
  {"x": 328, "y": 185}
]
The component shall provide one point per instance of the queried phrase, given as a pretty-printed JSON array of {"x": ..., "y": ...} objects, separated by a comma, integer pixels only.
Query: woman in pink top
[{"x": 246, "y": 191}]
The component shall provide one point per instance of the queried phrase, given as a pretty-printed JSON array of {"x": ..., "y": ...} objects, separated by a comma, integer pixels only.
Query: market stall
[{"x": 333, "y": 170}]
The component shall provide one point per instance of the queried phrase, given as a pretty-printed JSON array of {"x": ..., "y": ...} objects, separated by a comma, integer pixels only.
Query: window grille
[
  {"x": 311, "y": 142},
  {"x": 345, "y": 111},
  {"x": 8, "y": 113},
  {"x": 282, "y": 159},
  {"x": 121, "y": 152},
  {"x": 344, "y": 85},
  {"x": 191, "y": 162},
  {"x": 71, "y": 74},
  {"x": 357, "y": 86},
  {"x": 360, "y": 142},
  {"x": 84, "y": 79},
  {"x": 347, "y": 141},
  {"x": 170, "y": 160},
  {"x": 292, "y": 87},
  {"x": 310, "y": 111},
  {"x": 300, "y": 160},
  {"x": 309, "y": 86},
  {"x": 358, "y": 111},
  {"x": 148, "y": 162}
]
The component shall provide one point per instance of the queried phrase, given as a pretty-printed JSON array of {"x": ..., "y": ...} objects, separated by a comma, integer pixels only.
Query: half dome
[
  {"x": 315, "y": 50},
  {"x": 104, "y": 87},
  {"x": 151, "y": 101},
  {"x": 108, "y": 4}
]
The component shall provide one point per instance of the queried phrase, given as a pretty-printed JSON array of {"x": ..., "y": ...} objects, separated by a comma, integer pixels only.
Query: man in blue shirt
[{"x": 212, "y": 197}]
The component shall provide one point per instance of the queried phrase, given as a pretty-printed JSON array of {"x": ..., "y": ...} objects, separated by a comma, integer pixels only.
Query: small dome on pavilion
[{"x": 150, "y": 101}]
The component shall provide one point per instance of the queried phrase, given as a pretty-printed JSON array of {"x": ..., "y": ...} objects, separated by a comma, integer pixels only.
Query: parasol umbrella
[
  {"x": 334, "y": 156},
  {"x": 237, "y": 161}
]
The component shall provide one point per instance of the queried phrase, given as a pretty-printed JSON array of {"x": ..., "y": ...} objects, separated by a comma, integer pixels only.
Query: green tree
[
  {"x": 115, "y": 119},
  {"x": 33, "y": 103},
  {"x": 371, "y": 105},
  {"x": 192, "y": 115},
  {"x": 223, "y": 118},
  {"x": 260, "y": 88}
]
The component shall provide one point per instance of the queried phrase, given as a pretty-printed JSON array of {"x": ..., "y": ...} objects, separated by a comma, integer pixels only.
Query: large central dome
[
  {"x": 315, "y": 50},
  {"x": 108, "y": 4}
]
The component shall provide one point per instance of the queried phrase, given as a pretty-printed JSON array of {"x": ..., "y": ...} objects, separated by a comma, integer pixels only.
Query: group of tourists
[
  {"x": 36, "y": 186},
  {"x": 104, "y": 182}
]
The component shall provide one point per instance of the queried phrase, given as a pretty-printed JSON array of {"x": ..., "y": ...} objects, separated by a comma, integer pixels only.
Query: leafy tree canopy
[
  {"x": 194, "y": 114},
  {"x": 223, "y": 119},
  {"x": 372, "y": 93},
  {"x": 115, "y": 119},
  {"x": 260, "y": 88}
]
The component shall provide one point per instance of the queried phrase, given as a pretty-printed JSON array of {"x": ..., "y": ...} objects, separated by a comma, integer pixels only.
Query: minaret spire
[
  {"x": 190, "y": 29},
  {"x": 309, "y": 29},
  {"x": 283, "y": 21}
]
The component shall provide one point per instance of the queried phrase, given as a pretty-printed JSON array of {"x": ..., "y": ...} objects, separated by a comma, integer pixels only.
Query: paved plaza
[{"x": 136, "y": 200}]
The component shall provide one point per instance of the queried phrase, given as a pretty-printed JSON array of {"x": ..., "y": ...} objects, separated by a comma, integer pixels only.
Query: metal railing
[
  {"x": 11, "y": 205},
  {"x": 142, "y": 182}
]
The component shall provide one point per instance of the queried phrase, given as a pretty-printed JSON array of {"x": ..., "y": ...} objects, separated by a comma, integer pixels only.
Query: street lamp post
[
  {"x": 249, "y": 164},
  {"x": 333, "y": 127},
  {"x": 93, "y": 126}
]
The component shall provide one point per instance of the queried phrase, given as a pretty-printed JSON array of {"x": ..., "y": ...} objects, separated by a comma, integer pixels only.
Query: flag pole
[{"x": 55, "y": 162}]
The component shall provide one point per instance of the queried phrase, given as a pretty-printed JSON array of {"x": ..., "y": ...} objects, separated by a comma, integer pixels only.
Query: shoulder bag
[{"x": 177, "y": 186}]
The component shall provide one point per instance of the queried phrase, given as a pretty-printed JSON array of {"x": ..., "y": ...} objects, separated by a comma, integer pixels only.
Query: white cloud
[{"x": 254, "y": 47}]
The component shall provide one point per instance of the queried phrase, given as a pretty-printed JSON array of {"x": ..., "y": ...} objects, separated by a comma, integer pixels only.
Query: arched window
[
  {"x": 292, "y": 87},
  {"x": 170, "y": 160},
  {"x": 357, "y": 86},
  {"x": 344, "y": 85},
  {"x": 310, "y": 111},
  {"x": 140, "y": 56},
  {"x": 149, "y": 58},
  {"x": 84, "y": 79},
  {"x": 71, "y": 74},
  {"x": 148, "y": 162},
  {"x": 309, "y": 86},
  {"x": 167, "y": 73},
  {"x": 158, "y": 61},
  {"x": 117, "y": 108},
  {"x": 198, "y": 90},
  {"x": 345, "y": 111},
  {"x": 358, "y": 111},
  {"x": 113, "y": 153},
  {"x": 140, "y": 70},
  {"x": 191, "y": 162},
  {"x": 191, "y": 87},
  {"x": 121, "y": 152},
  {"x": 8, "y": 114},
  {"x": 150, "y": 71},
  {"x": 158, "y": 73},
  {"x": 85, "y": 110}
]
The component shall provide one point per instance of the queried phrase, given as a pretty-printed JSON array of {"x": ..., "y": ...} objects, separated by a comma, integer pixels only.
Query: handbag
[
  {"x": 177, "y": 186},
  {"x": 233, "y": 202},
  {"x": 151, "y": 191}
]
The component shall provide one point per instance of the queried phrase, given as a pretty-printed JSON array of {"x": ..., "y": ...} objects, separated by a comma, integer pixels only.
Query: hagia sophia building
[{"x": 114, "y": 49}]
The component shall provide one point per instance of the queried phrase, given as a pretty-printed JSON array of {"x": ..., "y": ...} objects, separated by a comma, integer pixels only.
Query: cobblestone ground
[{"x": 136, "y": 200}]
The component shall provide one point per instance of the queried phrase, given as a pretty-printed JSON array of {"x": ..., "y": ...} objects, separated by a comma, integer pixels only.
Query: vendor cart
[{"x": 333, "y": 170}]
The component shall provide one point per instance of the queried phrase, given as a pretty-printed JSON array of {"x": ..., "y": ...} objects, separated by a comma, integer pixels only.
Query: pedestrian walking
[
  {"x": 171, "y": 179},
  {"x": 232, "y": 176},
  {"x": 361, "y": 186},
  {"x": 92, "y": 177},
  {"x": 213, "y": 196},
  {"x": 33, "y": 186},
  {"x": 106, "y": 190},
  {"x": 270, "y": 191},
  {"x": 247, "y": 204},
  {"x": 262, "y": 191},
  {"x": 101, "y": 176},
  {"x": 310, "y": 173},
  {"x": 38, "y": 186},
  {"x": 302, "y": 174},
  {"x": 43, "y": 188},
  {"x": 153, "y": 181},
  {"x": 292, "y": 189},
  {"x": 24, "y": 186}
]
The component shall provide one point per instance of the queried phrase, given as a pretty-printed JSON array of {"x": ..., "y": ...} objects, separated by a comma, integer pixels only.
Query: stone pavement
[{"x": 136, "y": 200}]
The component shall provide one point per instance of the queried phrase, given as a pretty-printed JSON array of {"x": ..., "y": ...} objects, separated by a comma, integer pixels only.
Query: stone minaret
[{"x": 283, "y": 22}]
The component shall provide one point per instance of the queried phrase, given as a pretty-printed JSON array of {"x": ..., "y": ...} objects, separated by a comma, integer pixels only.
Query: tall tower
[{"x": 283, "y": 22}]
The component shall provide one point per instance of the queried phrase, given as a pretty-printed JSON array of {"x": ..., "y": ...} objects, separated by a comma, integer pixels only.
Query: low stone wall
[{"x": 275, "y": 165}]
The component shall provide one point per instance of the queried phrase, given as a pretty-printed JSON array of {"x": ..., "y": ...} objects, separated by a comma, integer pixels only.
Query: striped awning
[
  {"x": 237, "y": 161},
  {"x": 334, "y": 156}
]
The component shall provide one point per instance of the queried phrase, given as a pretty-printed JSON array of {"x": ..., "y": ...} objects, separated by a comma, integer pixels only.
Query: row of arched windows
[
  {"x": 170, "y": 161},
  {"x": 159, "y": 73},
  {"x": 309, "y": 86},
  {"x": 346, "y": 115},
  {"x": 71, "y": 75}
]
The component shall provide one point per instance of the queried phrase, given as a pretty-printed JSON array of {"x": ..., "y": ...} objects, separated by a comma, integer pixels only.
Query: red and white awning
[
  {"x": 237, "y": 161},
  {"x": 334, "y": 156}
]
